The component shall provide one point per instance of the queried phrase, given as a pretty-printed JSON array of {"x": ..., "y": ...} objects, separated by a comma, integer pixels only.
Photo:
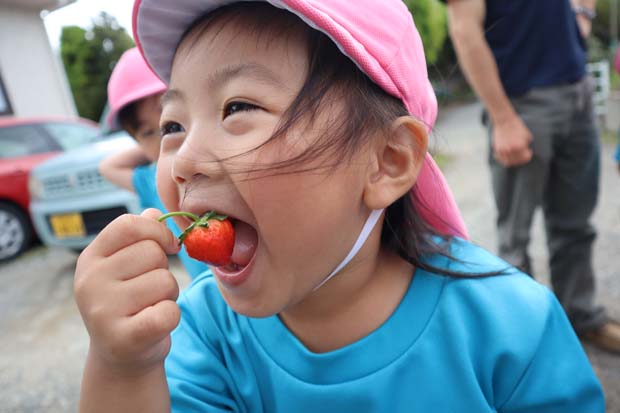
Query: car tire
[{"x": 15, "y": 231}]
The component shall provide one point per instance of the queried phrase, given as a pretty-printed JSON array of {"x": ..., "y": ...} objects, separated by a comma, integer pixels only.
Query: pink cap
[
  {"x": 131, "y": 80},
  {"x": 378, "y": 35}
]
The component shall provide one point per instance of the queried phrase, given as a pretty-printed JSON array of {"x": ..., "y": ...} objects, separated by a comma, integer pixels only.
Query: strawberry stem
[
  {"x": 179, "y": 214},
  {"x": 202, "y": 221}
]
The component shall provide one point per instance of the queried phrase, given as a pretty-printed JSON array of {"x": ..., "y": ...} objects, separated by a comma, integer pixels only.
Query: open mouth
[
  {"x": 245, "y": 244},
  {"x": 244, "y": 250},
  {"x": 239, "y": 270}
]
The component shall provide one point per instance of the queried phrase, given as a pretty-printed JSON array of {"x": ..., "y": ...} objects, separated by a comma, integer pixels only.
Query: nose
[{"x": 193, "y": 160}]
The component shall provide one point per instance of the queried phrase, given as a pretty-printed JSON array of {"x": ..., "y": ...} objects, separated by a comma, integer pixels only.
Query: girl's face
[
  {"x": 147, "y": 134},
  {"x": 228, "y": 93}
]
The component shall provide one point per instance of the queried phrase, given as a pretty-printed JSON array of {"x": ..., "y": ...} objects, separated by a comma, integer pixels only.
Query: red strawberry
[{"x": 209, "y": 238}]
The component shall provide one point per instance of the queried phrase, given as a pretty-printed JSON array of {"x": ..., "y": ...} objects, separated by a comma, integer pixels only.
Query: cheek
[
  {"x": 166, "y": 186},
  {"x": 304, "y": 212}
]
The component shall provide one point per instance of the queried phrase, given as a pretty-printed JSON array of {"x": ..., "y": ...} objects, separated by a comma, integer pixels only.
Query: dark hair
[
  {"x": 127, "y": 118},
  {"x": 368, "y": 110}
]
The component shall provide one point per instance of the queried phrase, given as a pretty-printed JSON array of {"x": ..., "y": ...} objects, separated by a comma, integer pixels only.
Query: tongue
[{"x": 246, "y": 240}]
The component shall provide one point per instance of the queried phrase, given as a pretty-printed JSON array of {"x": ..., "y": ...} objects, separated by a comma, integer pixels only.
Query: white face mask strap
[{"x": 372, "y": 220}]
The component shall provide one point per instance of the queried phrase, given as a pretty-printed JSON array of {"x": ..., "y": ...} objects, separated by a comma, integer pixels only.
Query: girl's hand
[{"x": 126, "y": 294}]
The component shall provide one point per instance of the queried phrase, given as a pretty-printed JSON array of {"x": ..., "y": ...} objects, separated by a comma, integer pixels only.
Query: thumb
[
  {"x": 152, "y": 213},
  {"x": 173, "y": 246}
]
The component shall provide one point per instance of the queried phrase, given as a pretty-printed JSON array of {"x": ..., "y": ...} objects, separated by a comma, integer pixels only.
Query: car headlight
[{"x": 35, "y": 187}]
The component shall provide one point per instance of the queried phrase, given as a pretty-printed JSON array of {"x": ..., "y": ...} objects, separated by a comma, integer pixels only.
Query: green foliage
[
  {"x": 601, "y": 25},
  {"x": 89, "y": 55},
  {"x": 597, "y": 50},
  {"x": 432, "y": 23}
]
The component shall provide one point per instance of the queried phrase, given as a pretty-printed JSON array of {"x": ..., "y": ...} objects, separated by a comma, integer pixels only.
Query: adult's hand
[{"x": 511, "y": 142}]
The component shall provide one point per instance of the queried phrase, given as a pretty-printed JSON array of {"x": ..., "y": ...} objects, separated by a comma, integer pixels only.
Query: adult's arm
[
  {"x": 119, "y": 167},
  {"x": 585, "y": 24},
  {"x": 511, "y": 138}
]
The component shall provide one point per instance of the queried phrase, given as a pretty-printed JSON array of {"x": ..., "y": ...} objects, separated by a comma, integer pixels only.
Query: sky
[{"x": 81, "y": 13}]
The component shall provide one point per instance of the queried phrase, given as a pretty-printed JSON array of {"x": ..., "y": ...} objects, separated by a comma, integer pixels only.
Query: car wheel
[{"x": 15, "y": 232}]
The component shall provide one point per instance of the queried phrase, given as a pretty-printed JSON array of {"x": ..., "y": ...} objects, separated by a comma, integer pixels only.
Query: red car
[{"x": 25, "y": 143}]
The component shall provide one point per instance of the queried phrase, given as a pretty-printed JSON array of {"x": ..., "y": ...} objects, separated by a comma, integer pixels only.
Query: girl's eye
[
  {"x": 170, "y": 128},
  {"x": 234, "y": 107}
]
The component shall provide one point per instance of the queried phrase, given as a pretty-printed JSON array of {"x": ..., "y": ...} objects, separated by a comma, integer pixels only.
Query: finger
[
  {"x": 149, "y": 289},
  {"x": 502, "y": 157},
  {"x": 522, "y": 157},
  {"x": 509, "y": 160},
  {"x": 151, "y": 213},
  {"x": 136, "y": 259},
  {"x": 129, "y": 229},
  {"x": 153, "y": 324}
]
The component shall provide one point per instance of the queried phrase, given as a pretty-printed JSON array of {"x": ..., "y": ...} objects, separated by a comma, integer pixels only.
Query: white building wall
[{"x": 33, "y": 80}]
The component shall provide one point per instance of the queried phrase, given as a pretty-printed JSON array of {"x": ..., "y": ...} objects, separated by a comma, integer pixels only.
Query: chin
[
  {"x": 253, "y": 307},
  {"x": 249, "y": 308}
]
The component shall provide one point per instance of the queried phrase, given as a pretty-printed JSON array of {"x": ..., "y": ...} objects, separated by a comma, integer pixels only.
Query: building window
[{"x": 5, "y": 105}]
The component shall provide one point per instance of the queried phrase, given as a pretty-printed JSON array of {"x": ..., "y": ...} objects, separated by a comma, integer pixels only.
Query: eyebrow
[
  {"x": 218, "y": 79},
  {"x": 170, "y": 95},
  {"x": 253, "y": 70}
]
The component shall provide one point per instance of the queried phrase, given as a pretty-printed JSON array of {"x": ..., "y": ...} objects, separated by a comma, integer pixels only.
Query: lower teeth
[{"x": 232, "y": 267}]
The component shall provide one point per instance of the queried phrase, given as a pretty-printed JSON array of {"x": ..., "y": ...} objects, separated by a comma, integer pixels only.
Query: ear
[{"x": 397, "y": 162}]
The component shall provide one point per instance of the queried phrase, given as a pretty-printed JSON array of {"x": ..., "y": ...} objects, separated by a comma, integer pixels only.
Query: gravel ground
[{"x": 43, "y": 343}]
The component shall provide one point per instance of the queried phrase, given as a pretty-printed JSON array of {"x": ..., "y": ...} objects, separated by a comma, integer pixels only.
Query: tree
[
  {"x": 89, "y": 55},
  {"x": 432, "y": 23}
]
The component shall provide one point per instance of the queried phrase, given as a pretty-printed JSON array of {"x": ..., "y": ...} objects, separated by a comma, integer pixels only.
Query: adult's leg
[
  {"x": 518, "y": 191},
  {"x": 568, "y": 205}
]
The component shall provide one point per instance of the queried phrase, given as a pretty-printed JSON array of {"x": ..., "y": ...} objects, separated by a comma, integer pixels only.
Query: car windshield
[
  {"x": 71, "y": 135},
  {"x": 34, "y": 138},
  {"x": 24, "y": 140}
]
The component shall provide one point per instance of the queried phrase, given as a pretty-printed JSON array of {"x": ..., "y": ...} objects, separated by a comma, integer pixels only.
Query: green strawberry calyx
[{"x": 202, "y": 221}]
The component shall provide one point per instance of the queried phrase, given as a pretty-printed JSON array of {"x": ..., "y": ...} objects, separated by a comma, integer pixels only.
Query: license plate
[{"x": 68, "y": 225}]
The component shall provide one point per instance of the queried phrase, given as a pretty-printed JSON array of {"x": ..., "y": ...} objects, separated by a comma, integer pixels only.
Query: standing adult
[{"x": 526, "y": 59}]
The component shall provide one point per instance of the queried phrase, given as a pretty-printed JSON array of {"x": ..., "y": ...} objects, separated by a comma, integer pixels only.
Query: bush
[
  {"x": 432, "y": 23},
  {"x": 89, "y": 55}
]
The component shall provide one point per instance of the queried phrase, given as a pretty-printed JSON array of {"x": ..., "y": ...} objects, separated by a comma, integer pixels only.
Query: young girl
[
  {"x": 134, "y": 93},
  {"x": 306, "y": 123}
]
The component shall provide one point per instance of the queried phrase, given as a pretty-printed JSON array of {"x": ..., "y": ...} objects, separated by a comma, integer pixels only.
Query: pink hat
[
  {"x": 379, "y": 36},
  {"x": 130, "y": 81}
]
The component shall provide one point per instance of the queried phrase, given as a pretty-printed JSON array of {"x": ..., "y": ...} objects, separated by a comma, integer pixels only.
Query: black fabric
[{"x": 536, "y": 43}]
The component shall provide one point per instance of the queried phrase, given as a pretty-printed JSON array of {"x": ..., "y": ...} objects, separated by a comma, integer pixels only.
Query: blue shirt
[
  {"x": 536, "y": 43},
  {"x": 453, "y": 345},
  {"x": 145, "y": 186}
]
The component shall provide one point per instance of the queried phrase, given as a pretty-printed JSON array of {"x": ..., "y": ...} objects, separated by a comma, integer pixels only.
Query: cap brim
[{"x": 158, "y": 27}]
